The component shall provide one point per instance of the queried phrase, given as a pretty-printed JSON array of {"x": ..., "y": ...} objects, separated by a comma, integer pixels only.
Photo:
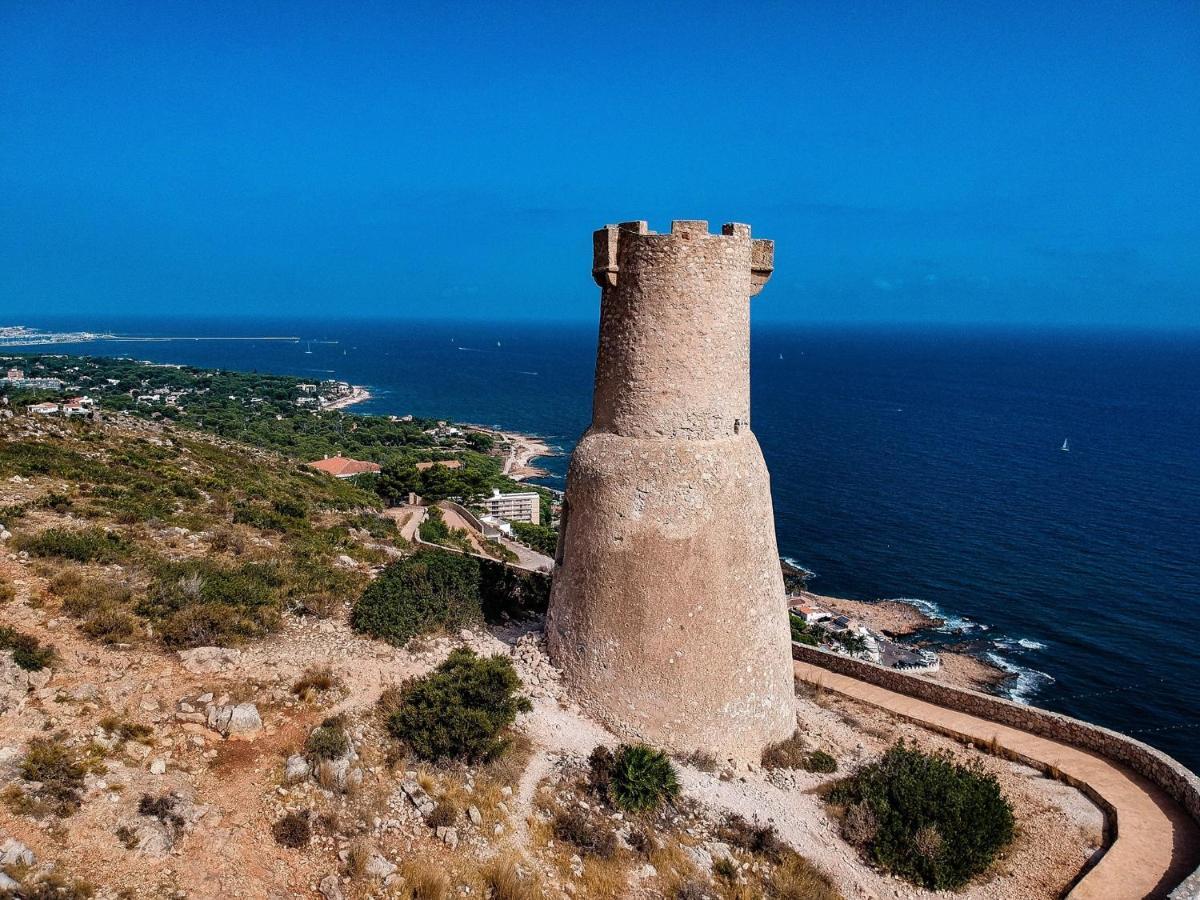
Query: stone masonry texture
[{"x": 667, "y": 613}]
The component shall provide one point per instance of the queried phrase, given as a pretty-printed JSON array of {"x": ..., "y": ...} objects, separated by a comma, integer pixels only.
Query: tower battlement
[
  {"x": 606, "y": 243},
  {"x": 667, "y": 613}
]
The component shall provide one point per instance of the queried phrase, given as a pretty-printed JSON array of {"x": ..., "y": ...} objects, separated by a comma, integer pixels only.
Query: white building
[{"x": 523, "y": 507}]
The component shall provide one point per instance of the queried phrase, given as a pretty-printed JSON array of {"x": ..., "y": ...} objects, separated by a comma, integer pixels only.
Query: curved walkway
[{"x": 1155, "y": 843}]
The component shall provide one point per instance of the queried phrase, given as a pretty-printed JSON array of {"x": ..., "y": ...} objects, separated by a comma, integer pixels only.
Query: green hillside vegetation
[
  {"x": 214, "y": 542},
  {"x": 262, "y": 410}
]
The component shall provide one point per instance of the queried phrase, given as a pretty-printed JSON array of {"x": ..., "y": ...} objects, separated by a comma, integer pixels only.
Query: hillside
[{"x": 187, "y": 711}]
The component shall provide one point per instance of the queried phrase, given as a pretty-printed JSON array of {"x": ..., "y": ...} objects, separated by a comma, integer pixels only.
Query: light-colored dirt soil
[{"x": 231, "y": 851}]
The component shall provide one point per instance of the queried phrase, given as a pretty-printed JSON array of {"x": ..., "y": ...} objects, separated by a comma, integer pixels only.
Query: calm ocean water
[{"x": 923, "y": 464}]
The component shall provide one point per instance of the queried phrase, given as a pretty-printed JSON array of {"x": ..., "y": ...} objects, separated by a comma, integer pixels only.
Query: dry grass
[
  {"x": 510, "y": 765},
  {"x": 314, "y": 680},
  {"x": 505, "y": 881},
  {"x": 797, "y": 879},
  {"x": 604, "y": 879},
  {"x": 425, "y": 881},
  {"x": 357, "y": 858}
]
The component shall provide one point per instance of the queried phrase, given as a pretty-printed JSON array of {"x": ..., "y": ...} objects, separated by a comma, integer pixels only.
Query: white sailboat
[{"x": 1066, "y": 447}]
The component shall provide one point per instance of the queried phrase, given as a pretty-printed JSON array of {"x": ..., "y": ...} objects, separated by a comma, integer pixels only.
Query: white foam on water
[
  {"x": 1030, "y": 644},
  {"x": 1024, "y": 682},
  {"x": 950, "y": 623},
  {"x": 798, "y": 566}
]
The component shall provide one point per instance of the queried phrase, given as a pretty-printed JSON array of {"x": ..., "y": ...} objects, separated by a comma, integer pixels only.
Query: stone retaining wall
[{"x": 1171, "y": 776}]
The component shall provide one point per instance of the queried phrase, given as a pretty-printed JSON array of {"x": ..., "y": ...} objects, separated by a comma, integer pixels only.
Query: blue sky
[{"x": 918, "y": 162}]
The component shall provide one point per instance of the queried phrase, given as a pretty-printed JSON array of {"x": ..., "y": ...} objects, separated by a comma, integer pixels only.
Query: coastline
[
  {"x": 896, "y": 618},
  {"x": 357, "y": 395},
  {"x": 523, "y": 450}
]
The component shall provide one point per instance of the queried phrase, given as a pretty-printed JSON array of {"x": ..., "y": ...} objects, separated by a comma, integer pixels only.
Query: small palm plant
[{"x": 641, "y": 778}]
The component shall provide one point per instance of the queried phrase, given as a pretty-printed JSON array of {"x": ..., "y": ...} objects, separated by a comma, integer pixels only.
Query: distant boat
[
  {"x": 308, "y": 348},
  {"x": 781, "y": 356},
  {"x": 1066, "y": 447}
]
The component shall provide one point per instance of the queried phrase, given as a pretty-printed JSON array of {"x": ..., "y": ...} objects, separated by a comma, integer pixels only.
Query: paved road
[{"x": 1157, "y": 843}]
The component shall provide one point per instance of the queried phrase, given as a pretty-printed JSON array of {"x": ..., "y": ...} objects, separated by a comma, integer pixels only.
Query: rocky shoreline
[{"x": 895, "y": 618}]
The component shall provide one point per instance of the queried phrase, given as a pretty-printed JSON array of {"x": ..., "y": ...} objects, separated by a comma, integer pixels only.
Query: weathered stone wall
[
  {"x": 1167, "y": 773},
  {"x": 668, "y": 616}
]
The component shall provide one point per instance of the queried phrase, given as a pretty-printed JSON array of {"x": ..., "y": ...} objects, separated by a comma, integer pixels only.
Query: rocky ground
[
  {"x": 189, "y": 774},
  {"x": 223, "y": 743}
]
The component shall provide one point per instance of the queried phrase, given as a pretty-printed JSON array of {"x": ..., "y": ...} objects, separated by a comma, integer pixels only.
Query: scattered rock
[
  {"x": 158, "y": 767},
  {"x": 448, "y": 835},
  {"x": 474, "y": 815},
  {"x": 420, "y": 799}
]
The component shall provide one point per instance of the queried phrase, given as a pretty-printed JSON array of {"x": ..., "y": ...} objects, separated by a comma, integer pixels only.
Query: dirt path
[{"x": 1157, "y": 843}]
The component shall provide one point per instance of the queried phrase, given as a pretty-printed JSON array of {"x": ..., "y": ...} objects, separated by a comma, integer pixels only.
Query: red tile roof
[{"x": 343, "y": 466}]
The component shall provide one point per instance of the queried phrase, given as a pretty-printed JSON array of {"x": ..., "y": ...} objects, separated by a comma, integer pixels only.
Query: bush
[
  {"x": 110, "y": 624},
  {"x": 292, "y": 830},
  {"x": 329, "y": 741},
  {"x": 761, "y": 840},
  {"x": 428, "y": 591},
  {"x": 28, "y": 652},
  {"x": 541, "y": 538},
  {"x": 820, "y": 761},
  {"x": 57, "y": 769},
  {"x": 161, "y": 808},
  {"x": 461, "y": 709},
  {"x": 592, "y": 836},
  {"x": 85, "y": 545},
  {"x": 792, "y": 754},
  {"x": 925, "y": 817},
  {"x": 641, "y": 779},
  {"x": 444, "y": 815},
  {"x": 7, "y": 592}
]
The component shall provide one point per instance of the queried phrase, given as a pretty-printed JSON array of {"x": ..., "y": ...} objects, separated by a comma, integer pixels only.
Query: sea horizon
[{"x": 908, "y": 461}]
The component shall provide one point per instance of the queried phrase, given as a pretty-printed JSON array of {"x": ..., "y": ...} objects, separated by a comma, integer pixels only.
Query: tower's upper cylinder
[{"x": 674, "y": 355}]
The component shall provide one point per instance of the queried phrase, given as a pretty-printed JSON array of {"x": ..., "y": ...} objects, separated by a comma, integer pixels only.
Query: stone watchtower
[{"x": 667, "y": 614}]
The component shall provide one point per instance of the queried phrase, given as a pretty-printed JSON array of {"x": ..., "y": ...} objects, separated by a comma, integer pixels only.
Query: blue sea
[{"x": 924, "y": 464}]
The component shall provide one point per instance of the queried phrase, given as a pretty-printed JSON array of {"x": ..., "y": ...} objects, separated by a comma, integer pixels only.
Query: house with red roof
[{"x": 344, "y": 467}]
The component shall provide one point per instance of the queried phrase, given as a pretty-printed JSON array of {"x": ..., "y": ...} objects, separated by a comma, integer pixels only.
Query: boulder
[
  {"x": 331, "y": 888},
  {"x": 378, "y": 867},
  {"x": 448, "y": 835},
  {"x": 14, "y": 853},
  {"x": 296, "y": 769},
  {"x": 229, "y": 720},
  {"x": 208, "y": 660}
]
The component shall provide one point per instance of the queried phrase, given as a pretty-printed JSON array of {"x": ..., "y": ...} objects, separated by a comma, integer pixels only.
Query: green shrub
[
  {"x": 329, "y": 741},
  {"x": 761, "y": 840},
  {"x": 84, "y": 545},
  {"x": 428, "y": 591},
  {"x": 28, "y": 652},
  {"x": 444, "y": 814},
  {"x": 58, "y": 771},
  {"x": 541, "y": 538},
  {"x": 925, "y": 817},
  {"x": 641, "y": 778},
  {"x": 433, "y": 528},
  {"x": 461, "y": 709},
  {"x": 820, "y": 761},
  {"x": 7, "y": 592},
  {"x": 111, "y": 624}
]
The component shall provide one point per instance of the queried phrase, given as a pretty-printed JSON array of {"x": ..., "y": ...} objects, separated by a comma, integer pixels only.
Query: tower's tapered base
[{"x": 668, "y": 616}]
